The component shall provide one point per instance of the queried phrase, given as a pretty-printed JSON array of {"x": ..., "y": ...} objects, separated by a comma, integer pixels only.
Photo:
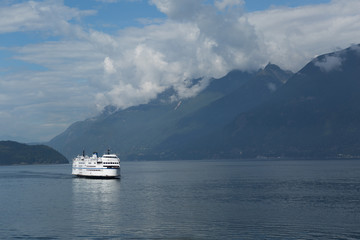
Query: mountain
[
  {"x": 197, "y": 128},
  {"x": 17, "y": 153},
  {"x": 316, "y": 114},
  {"x": 135, "y": 130},
  {"x": 149, "y": 130}
]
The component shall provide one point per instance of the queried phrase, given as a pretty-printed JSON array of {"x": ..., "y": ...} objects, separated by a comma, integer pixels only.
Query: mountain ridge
[{"x": 14, "y": 153}]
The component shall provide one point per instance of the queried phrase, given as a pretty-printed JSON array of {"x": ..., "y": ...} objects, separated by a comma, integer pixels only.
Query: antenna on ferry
[
  {"x": 108, "y": 151},
  {"x": 83, "y": 152}
]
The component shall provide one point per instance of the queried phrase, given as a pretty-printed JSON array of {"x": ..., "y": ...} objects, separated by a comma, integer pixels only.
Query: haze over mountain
[{"x": 268, "y": 113}]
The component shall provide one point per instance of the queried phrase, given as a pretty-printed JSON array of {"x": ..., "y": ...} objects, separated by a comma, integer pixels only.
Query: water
[{"x": 258, "y": 199}]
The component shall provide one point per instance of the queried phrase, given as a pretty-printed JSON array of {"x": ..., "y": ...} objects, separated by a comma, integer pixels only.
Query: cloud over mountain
[
  {"x": 292, "y": 36},
  {"x": 196, "y": 41},
  {"x": 329, "y": 63}
]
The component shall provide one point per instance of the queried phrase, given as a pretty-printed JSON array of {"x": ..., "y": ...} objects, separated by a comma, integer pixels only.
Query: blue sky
[
  {"x": 63, "y": 61},
  {"x": 122, "y": 13},
  {"x": 259, "y": 5}
]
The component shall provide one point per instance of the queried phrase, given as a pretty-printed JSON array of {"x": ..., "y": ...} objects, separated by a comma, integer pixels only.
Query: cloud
[
  {"x": 83, "y": 70},
  {"x": 46, "y": 15},
  {"x": 179, "y": 10},
  {"x": 225, "y": 4},
  {"x": 195, "y": 42},
  {"x": 109, "y": 66},
  {"x": 329, "y": 63},
  {"x": 293, "y": 36}
]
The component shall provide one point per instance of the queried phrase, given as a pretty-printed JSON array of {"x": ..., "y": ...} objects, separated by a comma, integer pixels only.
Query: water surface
[{"x": 246, "y": 199}]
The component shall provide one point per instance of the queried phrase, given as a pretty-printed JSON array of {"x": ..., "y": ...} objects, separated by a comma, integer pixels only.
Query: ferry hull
[{"x": 96, "y": 172}]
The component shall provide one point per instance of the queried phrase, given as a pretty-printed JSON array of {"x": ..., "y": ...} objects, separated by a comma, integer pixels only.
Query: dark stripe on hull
[{"x": 97, "y": 177}]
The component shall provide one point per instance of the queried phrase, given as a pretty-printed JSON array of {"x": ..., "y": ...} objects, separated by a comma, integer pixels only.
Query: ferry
[{"x": 107, "y": 166}]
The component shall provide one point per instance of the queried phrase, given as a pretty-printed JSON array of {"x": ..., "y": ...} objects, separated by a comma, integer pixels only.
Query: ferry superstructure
[{"x": 107, "y": 166}]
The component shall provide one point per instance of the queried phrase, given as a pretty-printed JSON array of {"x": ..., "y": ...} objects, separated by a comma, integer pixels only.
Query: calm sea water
[{"x": 258, "y": 199}]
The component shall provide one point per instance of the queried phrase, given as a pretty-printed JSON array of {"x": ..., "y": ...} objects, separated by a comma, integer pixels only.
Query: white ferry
[{"x": 107, "y": 166}]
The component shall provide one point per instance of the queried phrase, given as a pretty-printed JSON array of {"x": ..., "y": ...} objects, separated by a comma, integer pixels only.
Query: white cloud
[
  {"x": 196, "y": 42},
  {"x": 224, "y": 4},
  {"x": 292, "y": 36},
  {"x": 179, "y": 10},
  {"x": 34, "y": 15},
  {"x": 109, "y": 66},
  {"x": 329, "y": 63}
]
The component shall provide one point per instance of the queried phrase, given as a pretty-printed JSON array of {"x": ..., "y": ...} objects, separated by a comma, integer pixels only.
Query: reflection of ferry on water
[{"x": 107, "y": 166}]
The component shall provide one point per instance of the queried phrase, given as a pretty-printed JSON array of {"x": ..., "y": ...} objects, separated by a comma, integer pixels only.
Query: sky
[{"x": 63, "y": 61}]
